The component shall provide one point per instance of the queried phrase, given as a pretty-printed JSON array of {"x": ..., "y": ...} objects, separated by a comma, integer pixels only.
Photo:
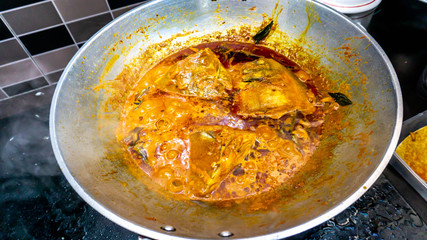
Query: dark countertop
[
  {"x": 400, "y": 27},
  {"x": 36, "y": 201}
]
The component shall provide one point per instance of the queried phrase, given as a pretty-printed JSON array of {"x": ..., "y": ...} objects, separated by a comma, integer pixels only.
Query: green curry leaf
[
  {"x": 263, "y": 33},
  {"x": 341, "y": 99}
]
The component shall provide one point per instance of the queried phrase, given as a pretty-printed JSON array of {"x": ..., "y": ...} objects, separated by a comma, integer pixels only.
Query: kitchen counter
[{"x": 36, "y": 201}]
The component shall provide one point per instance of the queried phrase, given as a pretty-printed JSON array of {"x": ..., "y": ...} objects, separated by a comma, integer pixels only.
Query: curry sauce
[
  {"x": 223, "y": 121},
  {"x": 413, "y": 150}
]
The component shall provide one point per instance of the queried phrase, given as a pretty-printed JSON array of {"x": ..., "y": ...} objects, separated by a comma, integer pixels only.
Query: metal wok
[{"x": 91, "y": 160}]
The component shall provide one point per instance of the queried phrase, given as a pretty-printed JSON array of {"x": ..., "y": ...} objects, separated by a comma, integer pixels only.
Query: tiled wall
[{"x": 39, "y": 37}]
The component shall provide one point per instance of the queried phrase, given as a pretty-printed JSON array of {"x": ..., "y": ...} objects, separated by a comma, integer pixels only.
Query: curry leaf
[
  {"x": 263, "y": 33},
  {"x": 251, "y": 79},
  {"x": 341, "y": 99}
]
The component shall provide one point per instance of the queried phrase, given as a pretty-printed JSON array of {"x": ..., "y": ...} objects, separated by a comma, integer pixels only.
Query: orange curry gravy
[{"x": 223, "y": 121}]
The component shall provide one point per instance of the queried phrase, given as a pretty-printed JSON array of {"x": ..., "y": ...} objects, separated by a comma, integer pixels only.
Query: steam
[{"x": 25, "y": 148}]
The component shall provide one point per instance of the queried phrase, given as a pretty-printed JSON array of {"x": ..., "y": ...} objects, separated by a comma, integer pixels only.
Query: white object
[{"x": 360, "y": 11}]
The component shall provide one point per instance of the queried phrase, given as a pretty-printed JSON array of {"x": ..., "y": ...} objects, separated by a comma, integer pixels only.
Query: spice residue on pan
[{"x": 312, "y": 17}]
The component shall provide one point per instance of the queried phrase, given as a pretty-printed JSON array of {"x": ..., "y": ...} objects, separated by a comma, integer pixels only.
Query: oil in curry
[{"x": 224, "y": 121}]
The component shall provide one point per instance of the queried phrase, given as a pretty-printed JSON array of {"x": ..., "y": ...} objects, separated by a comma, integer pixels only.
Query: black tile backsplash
[
  {"x": 48, "y": 33},
  {"x": 84, "y": 29},
  {"x": 4, "y": 31},
  {"x": 18, "y": 71},
  {"x": 11, "y": 51},
  {"x": 25, "y": 86},
  {"x": 40, "y": 16},
  {"x": 9, "y": 4},
  {"x": 52, "y": 61},
  {"x": 2, "y": 95},
  {"x": 47, "y": 40},
  {"x": 54, "y": 77},
  {"x": 118, "y": 12},
  {"x": 75, "y": 9},
  {"x": 120, "y": 3}
]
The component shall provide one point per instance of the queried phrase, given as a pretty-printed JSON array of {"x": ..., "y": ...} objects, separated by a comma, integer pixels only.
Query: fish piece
[
  {"x": 214, "y": 153},
  {"x": 200, "y": 75},
  {"x": 267, "y": 88}
]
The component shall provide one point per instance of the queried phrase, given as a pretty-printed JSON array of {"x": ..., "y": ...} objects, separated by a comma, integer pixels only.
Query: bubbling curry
[{"x": 223, "y": 121}]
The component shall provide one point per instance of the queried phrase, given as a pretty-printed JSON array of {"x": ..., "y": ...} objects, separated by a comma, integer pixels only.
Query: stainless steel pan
[{"x": 91, "y": 161}]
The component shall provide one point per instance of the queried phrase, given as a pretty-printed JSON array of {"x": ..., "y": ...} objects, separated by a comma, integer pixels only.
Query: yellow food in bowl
[{"x": 413, "y": 150}]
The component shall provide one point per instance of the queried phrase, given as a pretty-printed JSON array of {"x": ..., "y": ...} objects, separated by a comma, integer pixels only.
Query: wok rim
[{"x": 140, "y": 230}]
